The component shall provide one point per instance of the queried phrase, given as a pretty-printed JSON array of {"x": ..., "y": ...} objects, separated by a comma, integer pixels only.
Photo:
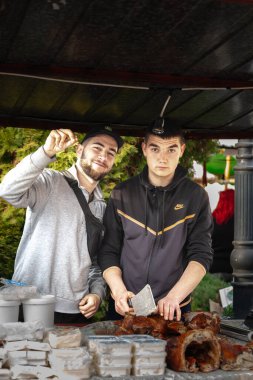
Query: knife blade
[{"x": 143, "y": 302}]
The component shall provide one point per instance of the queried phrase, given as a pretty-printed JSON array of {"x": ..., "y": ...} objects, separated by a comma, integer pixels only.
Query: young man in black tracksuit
[{"x": 158, "y": 229}]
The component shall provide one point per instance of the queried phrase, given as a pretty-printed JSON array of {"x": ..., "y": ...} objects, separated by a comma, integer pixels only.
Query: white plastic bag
[{"x": 12, "y": 290}]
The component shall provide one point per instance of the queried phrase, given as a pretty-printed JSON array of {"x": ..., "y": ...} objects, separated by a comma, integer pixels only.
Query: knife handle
[{"x": 129, "y": 302}]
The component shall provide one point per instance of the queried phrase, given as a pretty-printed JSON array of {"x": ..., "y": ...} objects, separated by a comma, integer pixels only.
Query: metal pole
[{"x": 242, "y": 255}]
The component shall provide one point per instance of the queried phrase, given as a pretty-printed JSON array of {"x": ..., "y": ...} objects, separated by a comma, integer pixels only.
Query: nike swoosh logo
[{"x": 179, "y": 206}]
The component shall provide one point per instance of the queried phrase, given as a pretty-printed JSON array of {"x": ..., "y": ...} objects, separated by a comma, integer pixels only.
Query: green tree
[{"x": 199, "y": 151}]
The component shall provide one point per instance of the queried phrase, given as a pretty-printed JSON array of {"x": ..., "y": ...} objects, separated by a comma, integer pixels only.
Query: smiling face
[
  {"x": 162, "y": 157},
  {"x": 96, "y": 156}
]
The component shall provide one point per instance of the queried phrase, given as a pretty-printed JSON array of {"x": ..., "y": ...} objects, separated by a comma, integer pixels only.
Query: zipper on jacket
[
  {"x": 156, "y": 236},
  {"x": 150, "y": 256}
]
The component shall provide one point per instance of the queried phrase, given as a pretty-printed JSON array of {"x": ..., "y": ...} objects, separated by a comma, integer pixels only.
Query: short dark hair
[
  {"x": 106, "y": 130},
  {"x": 164, "y": 128}
]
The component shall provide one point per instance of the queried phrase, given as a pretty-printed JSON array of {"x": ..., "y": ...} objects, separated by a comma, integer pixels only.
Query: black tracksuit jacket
[{"x": 153, "y": 232}]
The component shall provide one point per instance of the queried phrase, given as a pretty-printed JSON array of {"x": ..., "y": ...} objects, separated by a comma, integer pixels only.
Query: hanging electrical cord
[
  {"x": 158, "y": 127},
  {"x": 165, "y": 104}
]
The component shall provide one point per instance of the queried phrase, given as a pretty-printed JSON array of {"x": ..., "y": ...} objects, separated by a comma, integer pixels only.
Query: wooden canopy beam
[
  {"x": 124, "y": 130},
  {"x": 121, "y": 78}
]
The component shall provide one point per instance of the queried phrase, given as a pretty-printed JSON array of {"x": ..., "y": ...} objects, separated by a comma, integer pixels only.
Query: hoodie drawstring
[
  {"x": 146, "y": 207},
  {"x": 163, "y": 217}
]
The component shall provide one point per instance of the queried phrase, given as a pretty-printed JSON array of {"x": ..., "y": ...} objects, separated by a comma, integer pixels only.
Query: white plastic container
[
  {"x": 149, "y": 346},
  {"x": 93, "y": 340},
  {"x": 153, "y": 359},
  {"x": 113, "y": 347},
  {"x": 123, "y": 370},
  {"x": 114, "y": 361},
  {"x": 40, "y": 309},
  {"x": 148, "y": 370},
  {"x": 9, "y": 311}
]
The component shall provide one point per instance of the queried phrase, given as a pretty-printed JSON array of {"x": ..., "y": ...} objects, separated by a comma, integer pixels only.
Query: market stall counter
[
  {"x": 241, "y": 359},
  {"x": 123, "y": 350}
]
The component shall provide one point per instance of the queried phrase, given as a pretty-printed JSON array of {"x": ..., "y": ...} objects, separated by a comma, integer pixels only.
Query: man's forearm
[
  {"x": 15, "y": 185},
  {"x": 119, "y": 292},
  {"x": 191, "y": 277},
  {"x": 113, "y": 277}
]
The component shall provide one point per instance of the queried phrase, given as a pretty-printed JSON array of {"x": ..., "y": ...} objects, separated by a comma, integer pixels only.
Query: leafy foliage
[
  {"x": 199, "y": 151},
  {"x": 207, "y": 289},
  {"x": 128, "y": 163}
]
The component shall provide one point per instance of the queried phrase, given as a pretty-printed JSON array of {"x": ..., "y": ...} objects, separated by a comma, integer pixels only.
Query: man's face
[
  {"x": 162, "y": 157},
  {"x": 96, "y": 156}
]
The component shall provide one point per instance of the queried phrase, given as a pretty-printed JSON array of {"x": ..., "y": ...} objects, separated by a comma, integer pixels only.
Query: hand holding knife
[{"x": 143, "y": 303}]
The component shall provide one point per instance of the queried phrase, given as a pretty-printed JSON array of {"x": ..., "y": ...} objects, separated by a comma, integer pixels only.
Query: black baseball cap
[
  {"x": 106, "y": 130},
  {"x": 164, "y": 128}
]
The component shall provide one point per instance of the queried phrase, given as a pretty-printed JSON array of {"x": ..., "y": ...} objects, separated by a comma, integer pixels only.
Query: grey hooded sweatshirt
[{"x": 53, "y": 253}]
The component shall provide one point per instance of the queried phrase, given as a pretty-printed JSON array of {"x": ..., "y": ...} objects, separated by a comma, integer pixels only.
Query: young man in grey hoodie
[{"x": 53, "y": 253}]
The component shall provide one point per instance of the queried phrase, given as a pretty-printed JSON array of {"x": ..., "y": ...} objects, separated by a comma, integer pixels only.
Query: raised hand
[{"x": 58, "y": 140}]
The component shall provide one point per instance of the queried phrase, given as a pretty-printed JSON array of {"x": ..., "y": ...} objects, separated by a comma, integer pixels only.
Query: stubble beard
[{"x": 93, "y": 174}]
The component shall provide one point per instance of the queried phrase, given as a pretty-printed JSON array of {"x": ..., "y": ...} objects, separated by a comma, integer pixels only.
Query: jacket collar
[{"x": 180, "y": 174}]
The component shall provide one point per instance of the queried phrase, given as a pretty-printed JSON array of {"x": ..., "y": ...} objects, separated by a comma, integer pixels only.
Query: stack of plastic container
[
  {"x": 67, "y": 356},
  {"x": 72, "y": 362},
  {"x": 26, "y": 352},
  {"x": 148, "y": 355},
  {"x": 111, "y": 356}
]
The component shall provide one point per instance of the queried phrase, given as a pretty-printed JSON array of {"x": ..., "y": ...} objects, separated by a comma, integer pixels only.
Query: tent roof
[{"x": 79, "y": 63}]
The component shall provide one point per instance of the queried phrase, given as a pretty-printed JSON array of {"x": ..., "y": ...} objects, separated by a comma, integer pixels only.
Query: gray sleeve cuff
[
  {"x": 99, "y": 289},
  {"x": 40, "y": 159},
  {"x": 97, "y": 284}
]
